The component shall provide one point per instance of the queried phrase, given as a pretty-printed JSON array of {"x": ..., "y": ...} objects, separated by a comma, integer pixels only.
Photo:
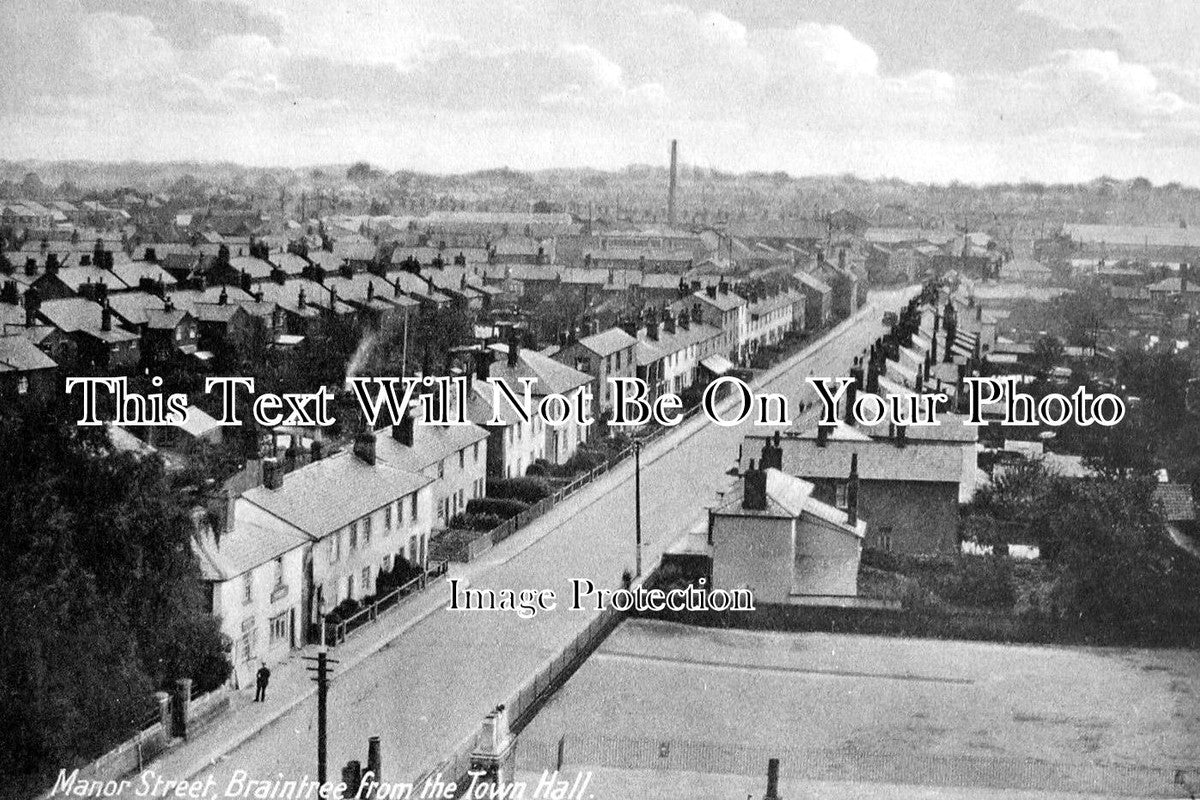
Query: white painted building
[{"x": 770, "y": 535}]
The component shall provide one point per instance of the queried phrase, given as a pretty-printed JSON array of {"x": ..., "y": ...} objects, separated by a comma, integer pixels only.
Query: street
[{"x": 430, "y": 687}]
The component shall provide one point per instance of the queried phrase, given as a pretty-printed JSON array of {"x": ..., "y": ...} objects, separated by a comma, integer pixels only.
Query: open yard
[{"x": 957, "y": 718}]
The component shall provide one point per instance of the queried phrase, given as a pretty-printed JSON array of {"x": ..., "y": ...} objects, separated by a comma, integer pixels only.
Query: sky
[{"x": 924, "y": 90}]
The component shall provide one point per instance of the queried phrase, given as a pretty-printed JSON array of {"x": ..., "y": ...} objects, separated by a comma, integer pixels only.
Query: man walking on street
[{"x": 262, "y": 678}]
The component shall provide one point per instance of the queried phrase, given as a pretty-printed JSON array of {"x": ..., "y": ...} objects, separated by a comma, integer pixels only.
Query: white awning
[{"x": 717, "y": 365}]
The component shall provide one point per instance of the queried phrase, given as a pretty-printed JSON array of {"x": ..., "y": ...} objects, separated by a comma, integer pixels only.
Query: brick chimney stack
[
  {"x": 852, "y": 492},
  {"x": 483, "y": 365},
  {"x": 403, "y": 430},
  {"x": 272, "y": 473},
  {"x": 364, "y": 448},
  {"x": 514, "y": 351},
  {"x": 772, "y": 454},
  {"x": 106, "y": 318},
  {"x": 823, "y": 434},
  {"x": 754, "y": 488}
]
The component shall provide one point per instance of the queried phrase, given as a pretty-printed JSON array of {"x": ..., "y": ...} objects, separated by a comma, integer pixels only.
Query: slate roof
[
  {"x": 878, "y": 460},
  {"x": 289, "y": 263},
  {"x": 788, "y": 496},
  {"x": 813, "y": 282},
  {"x": 722, "y": 302},
  {"x": 71, "y": 314},
  {"x": 18, "y": 354},
  {"x": 247, "y": 546},
  {"x": 77, "y": 276},
  {"x": 329, "y": 494},
  {"x": 431, "y": 444},
  {"x": 135, "y": 307},
  {"x": 552, "y": 376},
  {"x": 256, "y": 268},
  {"x": 132, "y": 273},
  {"x": 608, "y": 342},
  {"x": 165, "y": 320}
]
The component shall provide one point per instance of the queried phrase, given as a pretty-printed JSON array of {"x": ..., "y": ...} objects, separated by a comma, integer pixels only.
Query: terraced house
[{"x": 300, "y": 544}]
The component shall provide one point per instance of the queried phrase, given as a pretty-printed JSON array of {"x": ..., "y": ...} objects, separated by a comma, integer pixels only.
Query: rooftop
[{"x": 329, "y": 494}]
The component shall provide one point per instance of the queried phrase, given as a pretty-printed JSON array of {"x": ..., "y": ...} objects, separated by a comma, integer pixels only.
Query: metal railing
[
  {"x": 336, "y": 631},
  {"x": 476, "y": 546}
]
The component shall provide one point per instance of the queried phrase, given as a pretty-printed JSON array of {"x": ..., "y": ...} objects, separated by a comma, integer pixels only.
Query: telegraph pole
[
  {"x": 321, "y": 676},
  {"x": 637, "y": 502}
]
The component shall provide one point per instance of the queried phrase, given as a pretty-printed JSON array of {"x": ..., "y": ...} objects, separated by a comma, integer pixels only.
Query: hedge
[
  {"x": 504, "y": 507},
  {"x": 529, "y": 489}
]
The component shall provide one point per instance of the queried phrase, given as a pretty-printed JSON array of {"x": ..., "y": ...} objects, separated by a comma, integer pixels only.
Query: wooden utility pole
[{"x": 321, "y": 676}]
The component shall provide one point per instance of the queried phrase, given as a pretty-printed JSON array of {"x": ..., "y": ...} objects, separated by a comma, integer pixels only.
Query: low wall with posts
[{"x": 179, "y": 714}]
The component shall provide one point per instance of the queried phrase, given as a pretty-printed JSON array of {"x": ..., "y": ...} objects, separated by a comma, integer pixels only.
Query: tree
[
  {"x": 102, "y": 595},
  {"x": 1047, "y": 353},
  {"x": 361, "y": 171},
  {"x": 1104, "y": 541},
  {"x": 31, "y": 186}
]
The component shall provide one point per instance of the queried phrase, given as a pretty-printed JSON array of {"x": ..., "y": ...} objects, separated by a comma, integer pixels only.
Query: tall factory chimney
[{"x": 671, "y": 185}]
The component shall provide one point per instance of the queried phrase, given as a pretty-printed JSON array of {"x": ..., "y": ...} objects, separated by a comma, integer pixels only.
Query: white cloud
[{"x": 459, "y": 84}]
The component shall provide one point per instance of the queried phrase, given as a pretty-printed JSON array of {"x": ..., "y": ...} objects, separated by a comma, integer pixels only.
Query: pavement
[{"x": 423, "y": 677}]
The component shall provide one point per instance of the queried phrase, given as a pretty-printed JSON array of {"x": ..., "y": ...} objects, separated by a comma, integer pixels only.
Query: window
[
  {"x": 462, "y": 459},
  {"x": 279, "y": 571},
  {"x": 442, "y": 468},
  {"x": 414, "y": 509},
  {"x": 839, "y": 499},
  {"x": 23, "y": 385},
  {"x": 247, "y": 589},
  {"x": 335, "y": 547},
  {"x": 366, "y": 580},
  {"x": 412, "y": 550},
  {"x": 350, "y": 587},
  {"x": 279, "y": 628},
  {"x": 477, "y": 452},
  {"x": 249, "y": 641},
  {"x": 387, "y": 517},
  {"x": 354, "y": 536},
  {"x": 366, "y": 531}
]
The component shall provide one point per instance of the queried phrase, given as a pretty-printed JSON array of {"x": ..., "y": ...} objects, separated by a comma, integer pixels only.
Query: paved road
[{"x": 430, "y": 688}]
